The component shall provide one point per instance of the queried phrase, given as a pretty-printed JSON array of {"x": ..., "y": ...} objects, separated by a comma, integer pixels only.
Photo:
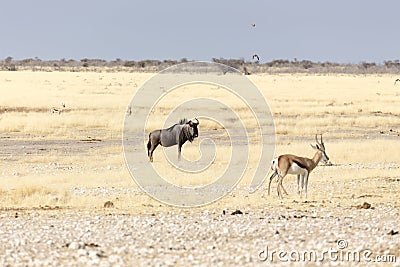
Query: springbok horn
[
  {"x": 322, "y": 142},
  {"x": 316, "y": 139}
]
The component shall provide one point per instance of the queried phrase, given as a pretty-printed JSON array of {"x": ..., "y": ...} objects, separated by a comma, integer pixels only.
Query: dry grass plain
[{"x": 55, "y": 164}]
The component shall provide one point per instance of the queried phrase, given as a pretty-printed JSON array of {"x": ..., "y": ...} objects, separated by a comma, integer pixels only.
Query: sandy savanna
[{"x": 59, "y": 168}]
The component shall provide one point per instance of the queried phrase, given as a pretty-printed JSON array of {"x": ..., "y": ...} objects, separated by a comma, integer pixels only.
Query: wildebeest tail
[{"x": 148, "y": 147}]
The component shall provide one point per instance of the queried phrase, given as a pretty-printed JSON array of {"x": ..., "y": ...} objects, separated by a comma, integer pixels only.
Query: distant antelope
[
  {"x": 129, "y": 111},
  {"x": 397, "y": 80},
  {"x": 58, "y": 110},
  {"x": 300, "y": 166}
]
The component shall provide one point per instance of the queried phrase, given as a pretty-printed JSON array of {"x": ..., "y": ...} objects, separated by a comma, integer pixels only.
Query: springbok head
[{"x": 320, "y": 146}]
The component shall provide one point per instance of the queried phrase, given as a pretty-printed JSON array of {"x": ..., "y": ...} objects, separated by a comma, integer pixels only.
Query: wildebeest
[{"x": 177, "y": 134}]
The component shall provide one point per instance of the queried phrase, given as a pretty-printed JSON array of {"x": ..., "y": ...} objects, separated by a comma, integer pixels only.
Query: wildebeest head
[{"x": 190, "y": 130}]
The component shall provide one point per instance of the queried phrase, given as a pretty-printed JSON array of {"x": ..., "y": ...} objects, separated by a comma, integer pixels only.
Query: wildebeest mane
[
  {"x": 182, "y": 121},
  {"x": 185, "y": 134}
]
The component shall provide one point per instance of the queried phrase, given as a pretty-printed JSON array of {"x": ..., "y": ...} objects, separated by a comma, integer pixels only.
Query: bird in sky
[{"x": 255, "y": 56}]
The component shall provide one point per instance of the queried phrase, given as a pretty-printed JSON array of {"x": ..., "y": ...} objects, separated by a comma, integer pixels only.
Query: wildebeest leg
[
  {"x": 179, "y": 151},
  {"x": 152, "y": 148},
  {"x": 154, "y": 141}
]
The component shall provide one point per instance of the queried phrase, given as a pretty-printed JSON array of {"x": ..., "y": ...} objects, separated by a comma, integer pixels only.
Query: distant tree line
[{"x": 248, "y": 67}]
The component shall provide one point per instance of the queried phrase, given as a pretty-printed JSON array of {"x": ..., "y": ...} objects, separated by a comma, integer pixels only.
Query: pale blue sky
[{"x": 319, "y": 30}]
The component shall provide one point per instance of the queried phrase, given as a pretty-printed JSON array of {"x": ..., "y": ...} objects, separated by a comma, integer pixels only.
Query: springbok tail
[{"x": 274, "y": 164}]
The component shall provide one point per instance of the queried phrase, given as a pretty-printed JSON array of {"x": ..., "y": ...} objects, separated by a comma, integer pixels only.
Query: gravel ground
[
  {"x": 163, "y": 236},
  {"x": 148, "y": 233}
]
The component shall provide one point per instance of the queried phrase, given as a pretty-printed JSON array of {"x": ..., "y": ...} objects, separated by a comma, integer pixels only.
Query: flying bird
[
  {"x": 397, "y": 80},
  {"x": 253, "y": 24},
  {"x": 255, "y": 56}
]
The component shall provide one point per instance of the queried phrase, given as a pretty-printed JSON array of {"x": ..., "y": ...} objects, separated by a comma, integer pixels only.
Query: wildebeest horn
[{"x": 197, "y": 121}]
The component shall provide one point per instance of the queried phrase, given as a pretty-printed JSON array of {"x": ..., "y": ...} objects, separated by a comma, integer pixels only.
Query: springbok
[
  {"x": 58, "y": 110},
  {"x": 300, "y": 166}
]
